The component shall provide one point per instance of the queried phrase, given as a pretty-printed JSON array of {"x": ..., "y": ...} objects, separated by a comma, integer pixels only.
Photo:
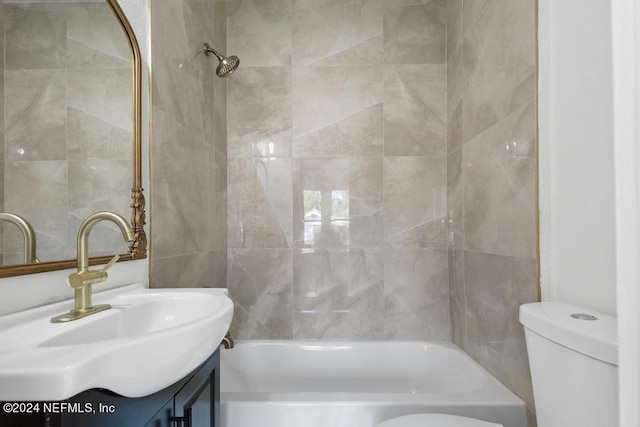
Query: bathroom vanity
[
  {"x": 193, "y": 401},
  {"x": 152, "y": 359}
]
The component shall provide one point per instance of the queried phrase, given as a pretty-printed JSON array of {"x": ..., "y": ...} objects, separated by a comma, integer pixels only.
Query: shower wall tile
[
  {"x": 103, "y": 93},
  {"x": 454, "y": 26},
  {"x": 455, "y": 92},
  {"x": 2, "y": 166},
  {"x": 416, "y": 293},
  {"x": 182, "y": 201},
  {"x": 219, "y": 102},
  {"x": 337, "y": 203},
  {"x": 267, "y": 41},
  {"x": 415, "y": 202},
  {"x": 46, "y": 182},
  {"x": 325, "y": 96},
  {"x": 365, "y": 80},
  {"x": 414, "y": 110},
  {"x": 180, "y": 152},
  {"x": 186, "y": 213},
  {"x": 454, "y": 127},
  {"x": 498, "y": 51},
  {"x": 337, "y": 111},
  {"x": 189, "y": 132},
  {"x": 107, "y": 183},
  {"x": 334, "y": 33},
  {"x": 89, "y": 136},
  {"x": 208, "y": 18},
  {"x": 179, "y": 89},
  {"x": 457, "y": 301},
  {"x": 259, "y": 112},
  {"x": 2, "y": 71},
  {"x": 3, "y": 251},
  {"x": 414, "y": 31},
  {"x": 2, "y": 111},
  {"x": 218, "y": 105},
  {"x": 42, "y": 49},
  {"x": 456, "y": 189},
  {"x": 220, "y": 228},
  {"x": 491, "y": 170},
  {"x": 35, "y": 114},
  {"x": 499, "y": 199},
  {"x": 338, "y": 294},
  {"x": 357, "y": 135},
  {"x": 194, "y": 270},
  {"x": 260, "y": 284},
  {"x": 95, "y": 38},
  {"x": 182, "y": 72},
  {"x": 495, "y": 287},
  {"x": 260, "y": 203}
]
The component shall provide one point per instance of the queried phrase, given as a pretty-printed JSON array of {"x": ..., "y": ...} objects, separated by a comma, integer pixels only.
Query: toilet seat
[{"x": 435, "y": 420}]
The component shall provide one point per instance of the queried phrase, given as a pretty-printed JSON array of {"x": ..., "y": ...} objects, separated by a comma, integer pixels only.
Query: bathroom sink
[{"x": 148, "y": 340}]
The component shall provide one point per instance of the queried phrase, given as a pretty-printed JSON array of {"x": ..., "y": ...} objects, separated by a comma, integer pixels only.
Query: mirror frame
[{"x": 138, "y": 248}]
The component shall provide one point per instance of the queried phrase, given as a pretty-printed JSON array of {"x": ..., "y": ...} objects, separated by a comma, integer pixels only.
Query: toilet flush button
[{"x": 583, "y": 316}]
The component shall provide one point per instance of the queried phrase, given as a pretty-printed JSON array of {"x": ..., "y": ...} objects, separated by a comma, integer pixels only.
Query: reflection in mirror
[{"x": 66, "y": 125}]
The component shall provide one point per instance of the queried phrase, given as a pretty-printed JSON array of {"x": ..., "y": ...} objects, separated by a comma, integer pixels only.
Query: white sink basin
[{"x": 148, "y": 340}]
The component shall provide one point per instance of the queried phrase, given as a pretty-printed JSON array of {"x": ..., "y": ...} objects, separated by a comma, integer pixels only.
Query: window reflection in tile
[{"x": 326, "y": 217}]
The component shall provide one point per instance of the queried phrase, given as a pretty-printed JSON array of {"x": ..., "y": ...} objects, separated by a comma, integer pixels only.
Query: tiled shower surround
[
  {"x": 381, "y": 170},
  {"x": 337, "y": 169}
]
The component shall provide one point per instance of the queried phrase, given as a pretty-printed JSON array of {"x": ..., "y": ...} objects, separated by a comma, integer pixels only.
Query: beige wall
[
  {"x": 337, "y": 169},
  {"x": 577, "y": 225},
  {"x": 492, "y": 181},
  {"x": 188, "y": 148}
]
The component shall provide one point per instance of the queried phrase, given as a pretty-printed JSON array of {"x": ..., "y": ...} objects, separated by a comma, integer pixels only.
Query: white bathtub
[{"x": 356, "y": 384}]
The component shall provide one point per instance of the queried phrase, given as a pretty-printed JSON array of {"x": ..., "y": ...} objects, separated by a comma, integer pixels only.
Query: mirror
[{"x": 70, "y": 129}]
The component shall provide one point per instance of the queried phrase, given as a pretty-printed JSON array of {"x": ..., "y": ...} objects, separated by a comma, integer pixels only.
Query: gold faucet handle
[
  {"x": 110, "y": 263},
  {"x": 90, "y": 277}
]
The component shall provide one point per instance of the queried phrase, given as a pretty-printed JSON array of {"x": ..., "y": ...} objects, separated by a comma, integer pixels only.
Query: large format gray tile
[
  {"x": 331, "y": 33},
  {"x": 35, "y": 36},
  {"x": 495, "y": 287},
  {"x": 266, "y": 42},
  {"x": 415, "y": 202},
  {"x": 414, "y": 110},
  {"x": 416, "y": 293},
  {"x": 260, "y": 284},
  {"x": 260, "y": 203},
  {"x": 259, "y": 116},
  {"x": 338, "y": 203},
  {"x": 499, "y": 61},
  {"x": 414, "y": 31},
  {"x": 499, "y": 198},
  {"x": 338, "y": 294}
]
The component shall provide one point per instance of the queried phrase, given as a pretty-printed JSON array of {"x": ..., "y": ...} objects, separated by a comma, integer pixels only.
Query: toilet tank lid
[{"x": 553, "y": 320}]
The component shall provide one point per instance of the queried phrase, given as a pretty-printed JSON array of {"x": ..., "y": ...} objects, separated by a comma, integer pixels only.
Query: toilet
[
  {"x": 435, "y": 420},
  {"x": 573, "y": 356}
]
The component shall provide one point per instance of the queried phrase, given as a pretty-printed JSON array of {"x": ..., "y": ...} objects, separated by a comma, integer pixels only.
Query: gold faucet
[
  {"x": 27, "y": 233},
  {"x": 83, "y": 280}
]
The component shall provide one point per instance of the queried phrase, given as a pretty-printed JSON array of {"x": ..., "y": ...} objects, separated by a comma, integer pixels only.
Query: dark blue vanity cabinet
[
  {"x": 197, "y": 403},
  {"x": 193, "y": 401}
]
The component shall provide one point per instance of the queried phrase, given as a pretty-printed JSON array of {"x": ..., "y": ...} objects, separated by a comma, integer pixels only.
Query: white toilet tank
[{"x": 573, "y": 355}]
